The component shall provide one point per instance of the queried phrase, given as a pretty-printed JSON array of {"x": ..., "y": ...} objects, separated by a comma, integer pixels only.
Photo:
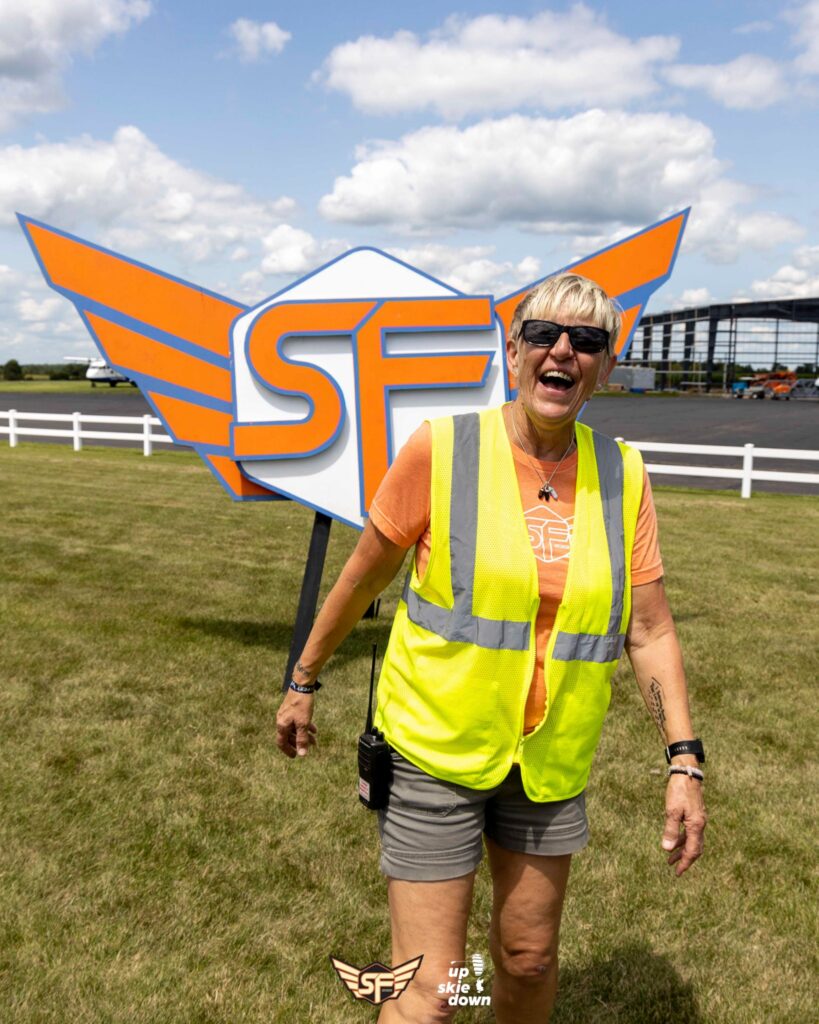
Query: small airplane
[{"x": 99, "y": 372}]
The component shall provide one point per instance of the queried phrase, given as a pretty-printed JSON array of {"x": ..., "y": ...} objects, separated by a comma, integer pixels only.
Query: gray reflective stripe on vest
[
  {"x": 588, "y": 646},
  {"x": 607, "y": 646},
  {"x": 459, "y": 624}
]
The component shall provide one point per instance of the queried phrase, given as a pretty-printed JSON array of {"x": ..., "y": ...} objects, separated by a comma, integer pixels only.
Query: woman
[{"x": 536, "y": 562}]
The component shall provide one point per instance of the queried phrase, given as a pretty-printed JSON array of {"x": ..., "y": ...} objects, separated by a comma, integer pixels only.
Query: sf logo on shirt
[{"x": 376, "y": 983}]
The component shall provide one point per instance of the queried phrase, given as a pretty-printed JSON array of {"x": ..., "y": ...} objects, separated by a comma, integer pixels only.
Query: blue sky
[{"x": 242, "y": 145}]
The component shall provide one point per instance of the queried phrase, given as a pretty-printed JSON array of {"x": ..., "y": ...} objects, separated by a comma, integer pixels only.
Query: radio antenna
[{"x": 372, "y": 685}]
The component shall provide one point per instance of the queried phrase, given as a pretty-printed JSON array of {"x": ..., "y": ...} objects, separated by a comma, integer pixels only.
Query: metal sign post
[{"x": 311, "y": 584}]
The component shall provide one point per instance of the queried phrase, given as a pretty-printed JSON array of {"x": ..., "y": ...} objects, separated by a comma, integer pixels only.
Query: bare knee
[{"x": 526, "y": 963}]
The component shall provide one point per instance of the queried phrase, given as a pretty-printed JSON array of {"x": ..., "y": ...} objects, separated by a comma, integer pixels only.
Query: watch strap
[
  {"x": 304, "y": 689},
  {"x": 686, "y": 747}
]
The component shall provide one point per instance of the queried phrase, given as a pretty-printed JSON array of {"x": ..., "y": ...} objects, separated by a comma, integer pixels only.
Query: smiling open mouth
[{"x": 557, "y": 379}]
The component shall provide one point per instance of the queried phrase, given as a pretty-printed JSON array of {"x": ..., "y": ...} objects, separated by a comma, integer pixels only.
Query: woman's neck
[{"x": 545, "y": 444}]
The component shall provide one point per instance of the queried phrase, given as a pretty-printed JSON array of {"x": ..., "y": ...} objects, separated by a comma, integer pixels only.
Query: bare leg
[
  {"x": 528, "y": 902},
  {"x": 428, "y": 918}
]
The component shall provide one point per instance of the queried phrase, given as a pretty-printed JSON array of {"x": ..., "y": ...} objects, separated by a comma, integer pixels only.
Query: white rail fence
[
  {"x": 747, "y": 452},
  {"x": 146, "y": 436}
]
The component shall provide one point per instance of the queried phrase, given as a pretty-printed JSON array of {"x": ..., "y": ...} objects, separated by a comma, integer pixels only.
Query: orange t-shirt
[{"x": 400, "y": 510}]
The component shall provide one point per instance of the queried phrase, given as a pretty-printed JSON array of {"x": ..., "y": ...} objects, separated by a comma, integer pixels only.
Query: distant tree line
[{"x": 12, "y": 370}]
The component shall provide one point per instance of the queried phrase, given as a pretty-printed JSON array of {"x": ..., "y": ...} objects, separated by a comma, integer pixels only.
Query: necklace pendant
[{"x": 546, "y": 492}]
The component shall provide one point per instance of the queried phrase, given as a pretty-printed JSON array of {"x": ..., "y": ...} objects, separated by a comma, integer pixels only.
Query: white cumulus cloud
[
  {"x": 723, "y": 228},
  {"x": 36, "y": 325},
  {"x": 692, "y": 297},
  {"x": 798, "y": 279},
  {"x": 749, "y": 82},
  {"x": 595, "y": 167},
  {"x": 592, "y": 175},
  {"x": 290, "y": 250},
  {"x": 39, "y": 310},
  {"x": 39, "y": 38},
  {"x": 254, "y": 38},
  {"x": 471, "y": 268},
  {"x": 550, "y": 61},
  {"x": 805, "y": 19},
  {"x": 133, "y": 196}
]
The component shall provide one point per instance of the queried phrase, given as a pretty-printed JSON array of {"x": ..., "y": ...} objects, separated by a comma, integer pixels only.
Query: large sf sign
[{"x": 310, "y": 394}]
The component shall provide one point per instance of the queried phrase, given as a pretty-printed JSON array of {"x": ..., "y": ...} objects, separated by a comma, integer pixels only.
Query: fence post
[
  {"x": 77, "y": 428},
  {"x": 12, "y": 428},
  {"x": 747, "y": 470},
  {"x": 147, "y": 442}
]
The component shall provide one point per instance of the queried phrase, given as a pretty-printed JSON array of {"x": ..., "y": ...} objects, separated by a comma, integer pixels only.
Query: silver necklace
[{"x": 546, "y": 491}]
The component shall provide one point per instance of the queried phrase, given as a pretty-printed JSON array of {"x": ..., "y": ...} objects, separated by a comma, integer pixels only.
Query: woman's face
[{"x": 554, "y": 383}]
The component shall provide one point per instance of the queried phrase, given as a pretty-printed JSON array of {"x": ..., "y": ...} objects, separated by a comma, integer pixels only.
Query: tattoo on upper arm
[{"x": 655, "y": 704}]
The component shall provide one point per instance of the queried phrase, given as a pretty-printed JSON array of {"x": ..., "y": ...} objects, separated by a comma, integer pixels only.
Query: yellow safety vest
[{"x": 457, "y": 670}]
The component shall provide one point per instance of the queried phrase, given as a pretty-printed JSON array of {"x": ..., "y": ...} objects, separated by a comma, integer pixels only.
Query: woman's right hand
[
  {"x": 295, "y": 731},
  {"x": 369, "y": 569}
]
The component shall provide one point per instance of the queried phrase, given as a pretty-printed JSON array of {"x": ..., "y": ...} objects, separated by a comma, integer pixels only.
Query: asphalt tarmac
[{"x": 690, "y": 419}]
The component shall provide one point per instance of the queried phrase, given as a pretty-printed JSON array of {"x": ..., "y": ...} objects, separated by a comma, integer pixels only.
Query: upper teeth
[{"x": 558, "y": 373}]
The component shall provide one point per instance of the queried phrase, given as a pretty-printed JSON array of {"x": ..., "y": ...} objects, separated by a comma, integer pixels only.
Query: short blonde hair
[{"x": 573, "y": 297}]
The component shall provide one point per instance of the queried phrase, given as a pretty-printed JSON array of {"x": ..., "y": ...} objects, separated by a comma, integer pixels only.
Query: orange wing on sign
[
  {"x": 169, "y": 336},
  {"x": 629, "y": 271},
  {"x": 309, "y": 394}
]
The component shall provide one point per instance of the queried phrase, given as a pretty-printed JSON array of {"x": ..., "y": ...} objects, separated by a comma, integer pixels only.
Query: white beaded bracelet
[{"x": 686, "y": 769}]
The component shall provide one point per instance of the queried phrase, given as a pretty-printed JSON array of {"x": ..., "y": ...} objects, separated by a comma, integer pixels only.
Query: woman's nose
[{"x": 562, "y": 348}]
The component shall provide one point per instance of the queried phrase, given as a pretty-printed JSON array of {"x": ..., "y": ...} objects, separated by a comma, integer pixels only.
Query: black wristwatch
[{"x": 686, "y": 747}]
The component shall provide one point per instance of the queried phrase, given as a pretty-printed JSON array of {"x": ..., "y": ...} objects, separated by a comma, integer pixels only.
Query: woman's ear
[{"x": 511, "y": 356}]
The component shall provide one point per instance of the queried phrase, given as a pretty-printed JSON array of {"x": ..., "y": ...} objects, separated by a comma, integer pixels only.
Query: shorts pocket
[{"x": 416, "y": 791}]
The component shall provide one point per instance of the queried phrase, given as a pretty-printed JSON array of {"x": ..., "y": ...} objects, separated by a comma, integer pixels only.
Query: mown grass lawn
[{"x": 159, "y": 862}]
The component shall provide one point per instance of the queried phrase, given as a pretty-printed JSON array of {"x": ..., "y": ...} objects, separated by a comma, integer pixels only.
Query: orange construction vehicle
[{"x": 772, "y": 384}]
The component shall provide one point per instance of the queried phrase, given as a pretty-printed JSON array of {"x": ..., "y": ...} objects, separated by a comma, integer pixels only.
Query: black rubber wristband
[
  {"x": 304, "y": 689},
  {"x": 685, "y": 747}
]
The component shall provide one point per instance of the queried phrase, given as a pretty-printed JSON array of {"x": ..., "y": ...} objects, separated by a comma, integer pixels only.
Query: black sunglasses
[{"x": 544, "y": 334}]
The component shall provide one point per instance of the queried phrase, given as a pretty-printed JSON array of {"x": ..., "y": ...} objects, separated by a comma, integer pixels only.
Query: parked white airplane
[{"x": 99, "y": 372}]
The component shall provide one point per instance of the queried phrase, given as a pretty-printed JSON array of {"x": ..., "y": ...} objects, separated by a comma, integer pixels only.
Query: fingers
[
  {"x": 683, "y": 834},
  {"x": 691, "y": 848},
  {"x": 295, "y": 741},
  {"x": 295, "y": 733},
  {"x": 672, "y": 837},
  {"x": 286, "y": 738},
  {"x": 305, "y": 738}
]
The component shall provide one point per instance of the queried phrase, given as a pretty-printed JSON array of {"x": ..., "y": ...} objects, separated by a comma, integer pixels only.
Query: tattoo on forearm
[
  {"x": 655, "y": 705},
  {"x": 302, "y": 669}
]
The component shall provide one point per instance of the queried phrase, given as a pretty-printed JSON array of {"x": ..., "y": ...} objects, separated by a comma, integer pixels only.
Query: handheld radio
[{"x": 374, "y": 764}]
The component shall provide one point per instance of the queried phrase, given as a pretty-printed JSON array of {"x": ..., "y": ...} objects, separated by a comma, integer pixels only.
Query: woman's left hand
[
  {"x": 685, "y": 820},
  {"x": 295, "y": 729}
]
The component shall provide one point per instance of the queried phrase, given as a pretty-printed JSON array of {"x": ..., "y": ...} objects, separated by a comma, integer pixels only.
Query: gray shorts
[{"x": 432, "y": 830}]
